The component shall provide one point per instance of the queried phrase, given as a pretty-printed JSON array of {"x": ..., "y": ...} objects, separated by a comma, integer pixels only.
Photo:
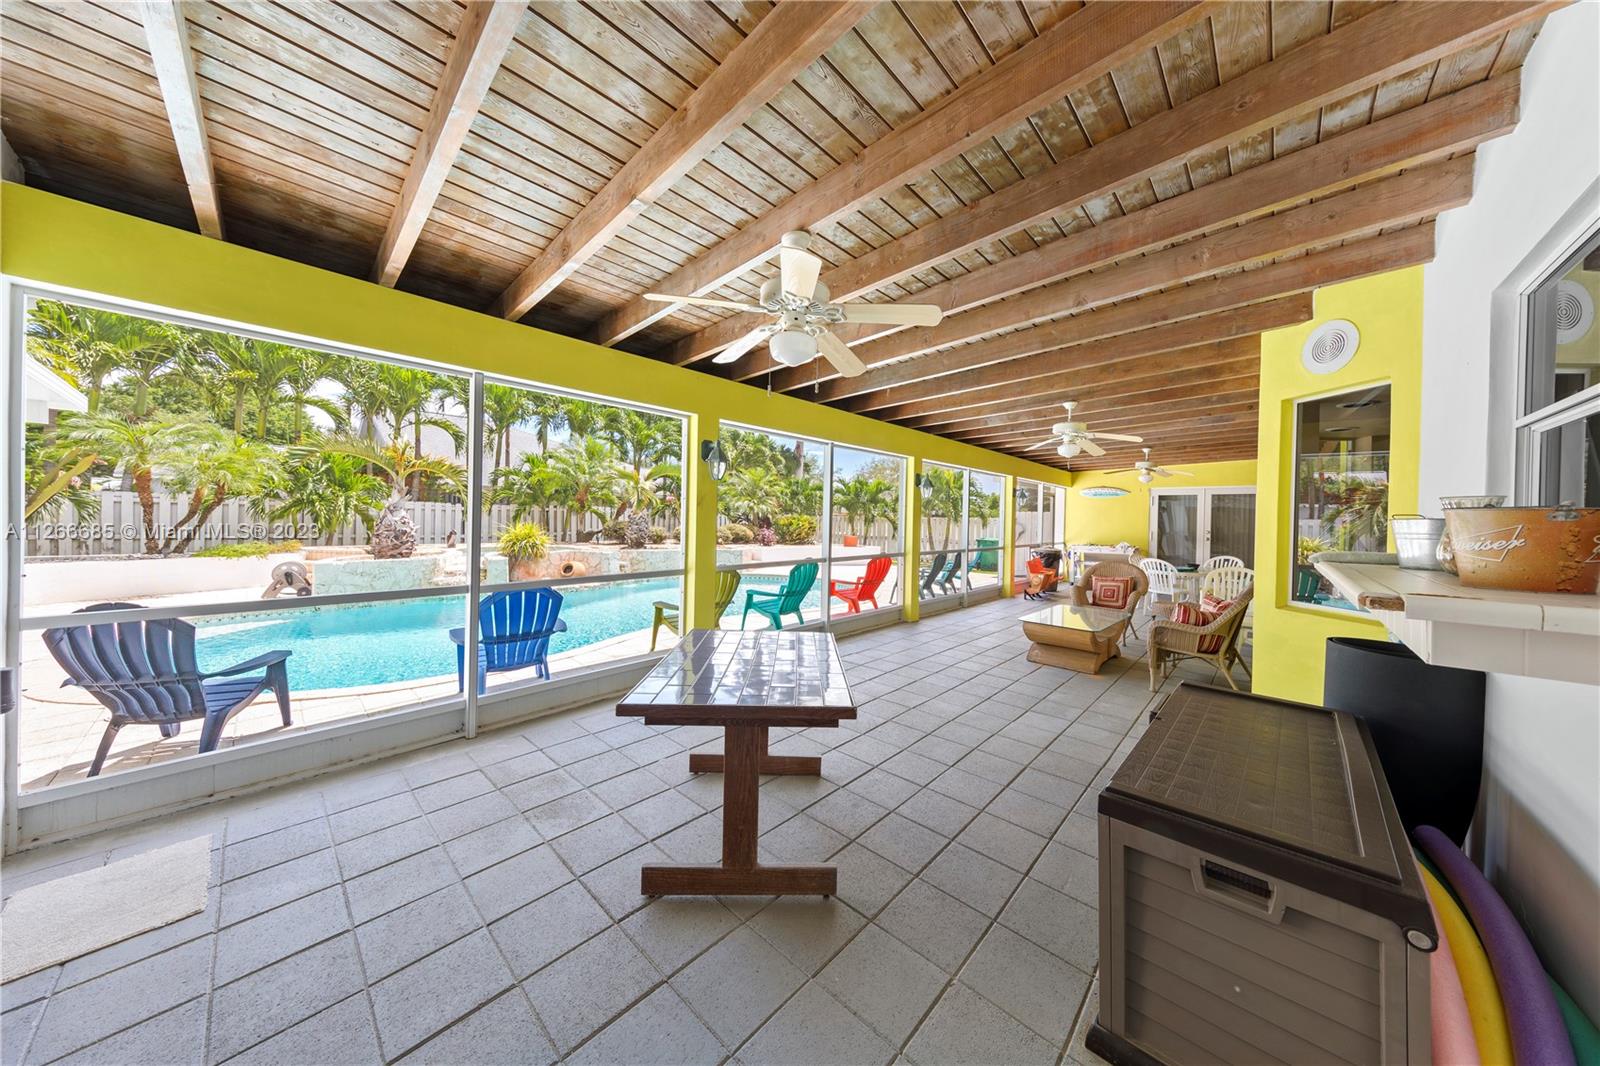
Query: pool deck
[{"x": 60, "y": 727}]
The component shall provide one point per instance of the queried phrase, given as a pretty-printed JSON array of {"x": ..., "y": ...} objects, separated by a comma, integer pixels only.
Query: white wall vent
[
  {"x": 1574, "y": 312},
  {"x": 1331, "y": 346}
]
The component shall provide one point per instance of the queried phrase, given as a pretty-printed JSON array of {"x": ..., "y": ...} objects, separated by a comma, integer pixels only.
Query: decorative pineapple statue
[{"x": 395, "y": 535}]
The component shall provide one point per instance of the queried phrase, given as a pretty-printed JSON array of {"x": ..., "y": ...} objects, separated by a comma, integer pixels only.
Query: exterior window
[
  {"x": 984, "y": 528},
  {"x": 769, "y": 523},
  {"x": 1558, "y": 433},
  {"x": 1341, "y": 484},
  {"x": 865, "y": 527}
]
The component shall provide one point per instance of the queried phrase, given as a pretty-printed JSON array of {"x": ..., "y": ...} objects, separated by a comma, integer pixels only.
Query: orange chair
[
  {"x": 862, "y": 588},
  {"x": 1041, "y": 580}
]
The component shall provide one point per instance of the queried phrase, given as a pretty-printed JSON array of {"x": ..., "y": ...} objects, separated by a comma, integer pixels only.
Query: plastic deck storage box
[{"x": 1258, "y": 899}]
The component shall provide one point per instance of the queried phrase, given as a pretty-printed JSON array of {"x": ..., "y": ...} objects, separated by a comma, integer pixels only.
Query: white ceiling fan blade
[
  {"x": 733, "y": 351},
  {"x": 1159, "y": 472},
  {"x": 894, "y": 314},
  {"x": 1180, "y": 473},
  {"x": 703, "y": 301},
  {"x": 839, "y": 354},
  {"x": 798, "y": 270},
  {"x": 1117, "y": 436},
  {"x": 1091, "y": 447},
  {"x": 1053, "y": 442},
  {"x": 1130, "y": 470}
]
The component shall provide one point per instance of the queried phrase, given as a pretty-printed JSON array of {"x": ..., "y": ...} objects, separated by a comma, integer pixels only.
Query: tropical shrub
[
  {"x": 659, "y": 535},
  {"x": 247, "y": 549},
  {"x": 1306, "y": 547},
  {"x": 735, "y": 533},
  {"x": 524, "y": 540},
  {"x": 614, "y": 531},
  {"x": 796, "y": 529},
  {"x": 766, "y": 537}
]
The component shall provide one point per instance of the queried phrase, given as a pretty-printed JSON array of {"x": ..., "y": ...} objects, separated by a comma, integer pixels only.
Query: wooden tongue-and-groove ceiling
[{"x": 1110, "y": 202}]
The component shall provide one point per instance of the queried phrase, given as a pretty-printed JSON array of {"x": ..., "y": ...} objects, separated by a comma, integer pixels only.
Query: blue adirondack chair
[
  {"x": 514, "y": 632},
  {"x": 950, "y": 581},
  {"x": 786, "y": 600},
  {"x": 145, "y": 673}
]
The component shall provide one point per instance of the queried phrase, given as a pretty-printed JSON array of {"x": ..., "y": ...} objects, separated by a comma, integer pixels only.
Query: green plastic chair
[
  {"x": 667, "y": 613},
  {"x": 787, "y": 600}
]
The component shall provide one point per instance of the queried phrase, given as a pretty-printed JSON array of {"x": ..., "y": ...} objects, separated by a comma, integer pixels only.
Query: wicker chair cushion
[
  {"x": 1213, "y": 606},
  {"x": 1110, "y": 592},
  {"x": 1189, "y": 614}
]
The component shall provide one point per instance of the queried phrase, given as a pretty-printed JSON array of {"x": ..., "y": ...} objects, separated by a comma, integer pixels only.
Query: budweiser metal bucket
[{"x": 1527, "y": 549}]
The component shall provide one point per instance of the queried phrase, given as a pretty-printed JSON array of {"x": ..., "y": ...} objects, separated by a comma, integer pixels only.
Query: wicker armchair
[
  {"x": 1170, "y": 641},
  {"x": 1079, "y": 592}
]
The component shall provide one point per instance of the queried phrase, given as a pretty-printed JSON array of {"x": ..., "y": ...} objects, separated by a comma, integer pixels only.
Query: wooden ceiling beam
[
  {"x": 1175, "y": 369},
  {"x": 781, "y": 46},
  {"x": 166, "y": 33},
  {"x": 1147, "y": 402},
  {"x": 1353, "y": 215},
  {"x": 1072, "y": 373},
  {"x": 1174, "y": 448},
  {"x": 487, "y": 29},
  {"x": 1331, "y": 67},
  {"x": 1234, "y": 415},
  {"x": 998, "y": 360},
  {"x": 1224, "y": 423},
  {"x": 1144, "y": 398},
  {"x": 1078, "y": 49}
]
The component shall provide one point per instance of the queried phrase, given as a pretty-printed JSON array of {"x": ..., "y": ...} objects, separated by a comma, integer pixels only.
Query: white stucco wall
[{"x": 1539, "y": 834}]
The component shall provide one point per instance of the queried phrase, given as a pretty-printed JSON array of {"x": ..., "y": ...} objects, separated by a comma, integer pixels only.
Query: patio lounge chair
[
  {"x": 862, "y": 588},
  {"x": 1216, "y": 643},
  {"x": 145, "y": 673},
  {"x": 1082, "y": 592},
  {"x": 927, "y": 577},
  {"x": 786, "y": 600},
  {"x": 514, "y": 632},
  {"x": 952, "y": 575},
  {"x": 667, "y": 613}
]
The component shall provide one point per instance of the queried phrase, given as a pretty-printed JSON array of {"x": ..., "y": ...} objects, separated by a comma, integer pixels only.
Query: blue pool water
[{"x": 405, "y": 640}]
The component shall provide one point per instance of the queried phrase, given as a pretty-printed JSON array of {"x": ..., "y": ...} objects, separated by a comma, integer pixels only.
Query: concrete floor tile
[
  {"x": 436, "y": 990},
  {"x": 583, "y": 990},
  {"x": 404, "y": 935},
  {"x": 884, "y": 982},
  {"x": 967, "y": 1030},
  {"x": 660, "y": 1030},
  {"x": 284, "y": 994},
  {"x": 738, "y": 984},
  {"x": 503, "y": 1032},
  {"x": 533, "y": 936},
  {"x": 813, "y": 1027}
]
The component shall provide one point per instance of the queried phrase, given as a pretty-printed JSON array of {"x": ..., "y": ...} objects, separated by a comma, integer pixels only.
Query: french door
[{"x": 1189, "y": 526}]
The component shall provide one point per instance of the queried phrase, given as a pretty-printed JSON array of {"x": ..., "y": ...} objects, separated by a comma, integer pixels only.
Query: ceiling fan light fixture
[
  {"x": 1069, "y": 449},
  {"x": 1146, "y": 476},
  {"x": 793, "y": 347}
]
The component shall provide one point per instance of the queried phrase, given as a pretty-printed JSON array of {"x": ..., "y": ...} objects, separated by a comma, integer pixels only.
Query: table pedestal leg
[
  {"x": 809, "y": 765},
  {"x": 740, "y": 873}
]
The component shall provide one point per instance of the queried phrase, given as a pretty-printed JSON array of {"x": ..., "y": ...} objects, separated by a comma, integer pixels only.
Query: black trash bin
[{"x": 1426, "y": 722}]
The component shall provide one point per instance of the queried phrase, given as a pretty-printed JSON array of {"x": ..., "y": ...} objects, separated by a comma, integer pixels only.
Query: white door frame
[{"x": 1202, "y": 494}]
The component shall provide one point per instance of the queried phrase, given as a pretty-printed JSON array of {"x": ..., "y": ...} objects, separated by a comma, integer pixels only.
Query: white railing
[{"x": 118, "y": 528}]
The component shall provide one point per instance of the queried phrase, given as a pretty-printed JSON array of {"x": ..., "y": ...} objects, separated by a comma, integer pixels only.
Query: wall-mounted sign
[{"x": 1102, "y": 492}]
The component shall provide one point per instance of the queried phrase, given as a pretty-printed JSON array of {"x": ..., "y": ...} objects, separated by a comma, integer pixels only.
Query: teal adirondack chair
[{"x": 786, "y": 600}]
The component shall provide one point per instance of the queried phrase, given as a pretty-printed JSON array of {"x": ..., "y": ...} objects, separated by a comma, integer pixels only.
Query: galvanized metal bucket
[{"x": 1416, "y": 541}]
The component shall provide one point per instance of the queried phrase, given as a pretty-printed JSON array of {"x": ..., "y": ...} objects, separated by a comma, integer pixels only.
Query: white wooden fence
[{"x": 118, "y": 528}]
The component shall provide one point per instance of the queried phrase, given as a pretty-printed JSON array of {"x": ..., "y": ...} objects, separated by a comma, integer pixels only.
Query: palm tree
[
  {"x": 864, "y": 500},
  {"x": 942, "y": 499},
  {"x": 642, "y": 439},
  {"x": 53, "y": 475},
  {"x": 529, "y": 487},
  {"x": 587, "y": 472},
  {"x": 212, "y": 467},
  {"x": 136, "y": 449},
  {"x": 412, "y": 396},
  {"x": 402, "y": 465},
  {"x": 503, "y": 407},
  {"x": 309, "y": 370},
  {"x": 89, "y": 345},
  {"x": 755, "y": 495},
  {"x": 323, "y": 488},
  {"x": 547, "y": 413},
  {"x": 583, "y": 417}
]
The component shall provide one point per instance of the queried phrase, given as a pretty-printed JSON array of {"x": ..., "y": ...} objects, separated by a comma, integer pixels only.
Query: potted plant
[{"x": 524, "y": 545}]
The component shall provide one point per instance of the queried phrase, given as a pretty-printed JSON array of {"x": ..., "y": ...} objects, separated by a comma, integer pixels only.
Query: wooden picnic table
[{"x": 745, "y": 683}]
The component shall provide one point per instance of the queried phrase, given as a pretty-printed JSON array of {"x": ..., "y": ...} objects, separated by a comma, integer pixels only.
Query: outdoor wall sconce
[{"x": 716, "y": 459}]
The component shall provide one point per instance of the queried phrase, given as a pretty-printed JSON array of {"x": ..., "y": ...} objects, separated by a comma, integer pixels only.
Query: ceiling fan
[
  {"x": 803, "y": 316},
  {"x": 1069, "y": 437},
  {"x": 1149, "y": 471}
]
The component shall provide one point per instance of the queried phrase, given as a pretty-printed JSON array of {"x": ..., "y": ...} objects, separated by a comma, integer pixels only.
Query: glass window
[
  {"x": 943, "y": 491},
  {"x": 579, "y": 494},
  {"x": 1028, "y": 499},
  {"x": 1341, "y": 487},
  {"x": 984, "y": 528},
  {"x": 185, "y": 475},
  {"x": 1559, "y": 431},
  {"x": 866, "y": 527},
  {"x": 769, "y": 518}
]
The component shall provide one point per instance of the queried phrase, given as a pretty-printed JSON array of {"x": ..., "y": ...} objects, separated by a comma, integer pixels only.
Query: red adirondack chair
[{"x": 862, "y": 588}]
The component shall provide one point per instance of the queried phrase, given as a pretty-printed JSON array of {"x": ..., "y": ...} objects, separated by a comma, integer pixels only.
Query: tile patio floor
[{"x": 478, "y": 902}]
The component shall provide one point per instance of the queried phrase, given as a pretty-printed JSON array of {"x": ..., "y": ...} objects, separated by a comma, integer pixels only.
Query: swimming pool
[{"x": 359, "y": 645}]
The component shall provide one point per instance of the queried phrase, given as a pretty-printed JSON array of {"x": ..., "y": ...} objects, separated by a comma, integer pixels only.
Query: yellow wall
[
  {"x": 1289, "y": 640},
  {"x": 1108, "y": 521},
  {"x": 56, "y": 241}
]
